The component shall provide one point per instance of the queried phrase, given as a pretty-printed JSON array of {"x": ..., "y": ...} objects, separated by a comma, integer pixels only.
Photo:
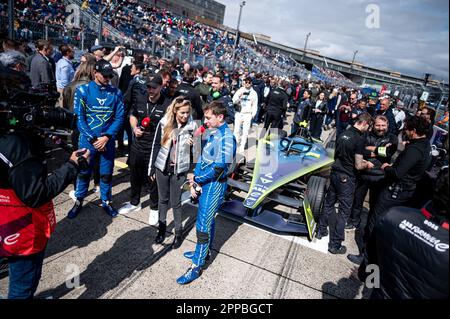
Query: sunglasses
[{"x": 183, "y": 100}]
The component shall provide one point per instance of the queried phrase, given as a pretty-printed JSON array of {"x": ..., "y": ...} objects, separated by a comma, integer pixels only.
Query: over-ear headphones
[{"x": 216, "y": 95}]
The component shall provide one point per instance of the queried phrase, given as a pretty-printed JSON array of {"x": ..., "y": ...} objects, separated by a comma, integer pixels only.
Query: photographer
[
  {"x": 14, "y": 63},
  {"x": 28, "y": 217}
]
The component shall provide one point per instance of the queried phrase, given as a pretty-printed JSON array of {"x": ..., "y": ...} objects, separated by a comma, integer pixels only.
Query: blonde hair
[{"x": 171, "y": 124}]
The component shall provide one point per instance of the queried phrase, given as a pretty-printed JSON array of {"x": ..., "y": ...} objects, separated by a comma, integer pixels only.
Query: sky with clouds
[{"x": 412, "y": 38}]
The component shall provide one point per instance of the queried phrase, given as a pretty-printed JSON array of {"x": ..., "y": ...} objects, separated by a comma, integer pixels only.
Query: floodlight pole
[
  {"x": 237, "y": 33},
  {"x": 11, "y": 19},
  {"x": 306, "y": 43}
]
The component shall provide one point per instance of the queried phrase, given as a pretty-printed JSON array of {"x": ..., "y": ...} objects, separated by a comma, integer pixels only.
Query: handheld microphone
[
  {"x": 198, "y": 132},
  {"x": 145, "y": 124}
]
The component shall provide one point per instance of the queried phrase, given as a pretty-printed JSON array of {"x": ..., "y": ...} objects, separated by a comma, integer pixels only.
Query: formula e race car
[{"x": 291, "y": 171}]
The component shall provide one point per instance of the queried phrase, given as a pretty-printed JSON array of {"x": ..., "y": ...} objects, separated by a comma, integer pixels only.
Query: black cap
[
  {"x": 104, "y": 67},
  {"x": 153, "y": 81},
  {"x": 96, "y": 47}
]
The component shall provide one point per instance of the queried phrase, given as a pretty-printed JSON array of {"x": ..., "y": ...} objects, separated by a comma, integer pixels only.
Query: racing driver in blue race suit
[
  {"x": 210, "y": 174},
  {"x": 100, "y": 114}
]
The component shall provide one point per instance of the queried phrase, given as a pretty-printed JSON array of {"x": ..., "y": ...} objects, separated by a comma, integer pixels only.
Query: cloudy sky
[{"x": 412, "y": 38}]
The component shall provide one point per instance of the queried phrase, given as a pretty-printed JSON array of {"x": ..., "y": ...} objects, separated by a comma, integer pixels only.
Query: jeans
[
  {"x": 24, "y": 275},
  {"x": 341, "y": 190},
  {"x": 329, "y": 118},
  {"x": 169, "y": 190}
]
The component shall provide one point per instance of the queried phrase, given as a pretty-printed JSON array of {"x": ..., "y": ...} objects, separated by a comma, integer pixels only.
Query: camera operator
[
  {"x": 28, "y": 217},
  {"x": 14, "y": 63},
  {"x": 401, "y": 178}
]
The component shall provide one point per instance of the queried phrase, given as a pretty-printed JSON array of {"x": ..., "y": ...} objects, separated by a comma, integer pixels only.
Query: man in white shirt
[
  {"x": 246, "y": 103},
  {"x": 400, "y": 115}
]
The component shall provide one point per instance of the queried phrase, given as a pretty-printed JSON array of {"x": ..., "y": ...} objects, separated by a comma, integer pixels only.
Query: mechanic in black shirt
[
  {"x": 186, "y": 89},
  {"x": 154, "y": 108},
  {"x": 380, "y": 147},
  {"x": 276, "y": 105},
  {"x": 401, "y": 178},
  {"x": 348, "y": 160},
  {"x": 412, "y": 248}
]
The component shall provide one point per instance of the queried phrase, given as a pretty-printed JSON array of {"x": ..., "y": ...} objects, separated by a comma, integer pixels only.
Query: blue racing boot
[
  {"x": 190, "y": 255},
  {"x": 76, "y": 209},
  {"x": 111, "y": 211},
  {"x": 191, "y": 274}
]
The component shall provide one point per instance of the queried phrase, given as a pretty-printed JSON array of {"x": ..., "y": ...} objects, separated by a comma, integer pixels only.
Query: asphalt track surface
[{"x": 95, "y": 256}]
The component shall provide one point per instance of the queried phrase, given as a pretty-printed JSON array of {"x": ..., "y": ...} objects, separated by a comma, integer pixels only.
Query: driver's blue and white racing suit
[
  {"x": 100, "y": 112},
  {"x": 211, "y": 174}
]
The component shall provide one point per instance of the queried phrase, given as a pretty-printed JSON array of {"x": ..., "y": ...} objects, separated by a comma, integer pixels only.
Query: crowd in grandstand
[{"x": 148, "y": 27}]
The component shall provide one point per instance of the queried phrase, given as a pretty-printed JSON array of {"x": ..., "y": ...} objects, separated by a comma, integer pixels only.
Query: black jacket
[
  {"x": 125, "y": 78},
  {"x": 412, "y": 254},
  {"x": 322, "y": 107},
  {"x": 227, "y": 102},
  {"x": 277, "y": 101},
  {"x": 191, "y": 94},
  {"x": 303, "y": 111},
  {"x": 23, "y": 168},
  {"x": 136, "y": 95},
  {"x": 411, "y": 164}
]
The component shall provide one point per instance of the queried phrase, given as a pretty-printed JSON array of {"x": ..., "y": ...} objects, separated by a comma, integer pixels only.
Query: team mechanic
[
  {"x": 380, "y": 147},
  {"x": 100, "y": 111},
  {"x": 27, "y": 217},
  {"x": 401, "y": 180},
  {"x": 211, "y": 175}
]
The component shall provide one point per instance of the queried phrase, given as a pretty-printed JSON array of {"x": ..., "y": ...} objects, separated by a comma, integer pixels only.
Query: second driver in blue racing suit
[
  {"x": 100, "y": 112},
  {"x": 210, "y": 174}
]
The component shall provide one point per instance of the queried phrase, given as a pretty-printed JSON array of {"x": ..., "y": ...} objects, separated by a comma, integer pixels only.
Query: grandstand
[{"x": 149, "y": 26}]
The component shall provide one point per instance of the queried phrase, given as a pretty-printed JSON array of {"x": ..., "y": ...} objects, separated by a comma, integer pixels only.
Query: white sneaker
[
  {"x": 153, "y": 217},
  {"x": 72, "y": 195},
  {"x": 128, "y": 208}
]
